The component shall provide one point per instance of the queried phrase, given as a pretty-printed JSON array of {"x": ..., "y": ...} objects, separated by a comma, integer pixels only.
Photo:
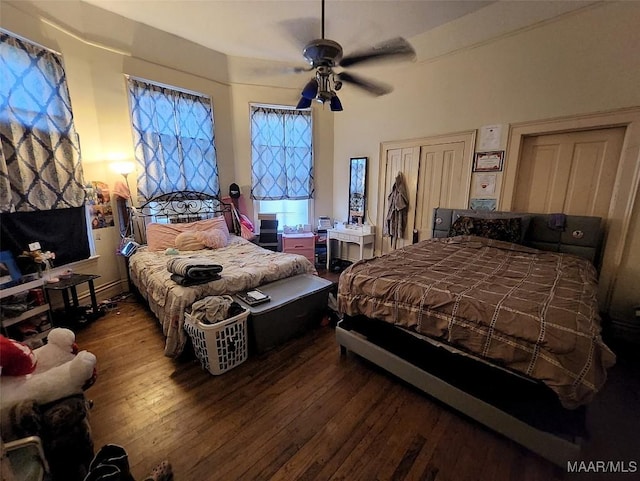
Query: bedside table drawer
[
  {"x": 297, "y": 243},
  {"x": 308, "y": 253}
]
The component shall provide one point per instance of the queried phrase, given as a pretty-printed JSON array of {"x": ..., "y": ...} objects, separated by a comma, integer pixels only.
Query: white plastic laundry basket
[{"x": 220, "y": 346}]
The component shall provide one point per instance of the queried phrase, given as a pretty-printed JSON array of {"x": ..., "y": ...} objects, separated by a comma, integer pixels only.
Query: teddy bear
[{"x": 48, "y": 373}]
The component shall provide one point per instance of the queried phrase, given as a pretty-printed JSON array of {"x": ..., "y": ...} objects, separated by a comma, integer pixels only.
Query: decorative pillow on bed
[
  {"x": 189, "y": 241},
  {"x": 525, "y": 219},
  {"x": 213, "y": 238},
  {"x": 163, "y": 236},
  {"x": 207, "y": 224},
  {"x": 506, "y": 229}
]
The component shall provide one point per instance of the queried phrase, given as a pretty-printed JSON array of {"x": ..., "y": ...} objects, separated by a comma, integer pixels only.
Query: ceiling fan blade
[
  {"x": 395, "y": 48},
  {"x": 374, "y": 88}
]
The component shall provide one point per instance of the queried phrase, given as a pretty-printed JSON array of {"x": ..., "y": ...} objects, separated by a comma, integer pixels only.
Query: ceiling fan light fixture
[
  {"x": 310, "y": 90},
  {"x": 336, "y": 105},
  {"x": 324, "y": 96},
  {"x": 304, "y": 103}
]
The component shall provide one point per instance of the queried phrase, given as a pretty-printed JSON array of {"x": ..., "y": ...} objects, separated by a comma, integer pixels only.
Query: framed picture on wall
[
  {"x": 484, "y": 184},
  {"x": 483, "y": 204},
  {"x": 488, "y": 161}
]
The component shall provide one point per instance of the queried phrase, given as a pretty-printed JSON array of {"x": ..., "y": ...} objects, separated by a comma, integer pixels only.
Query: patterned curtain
[
  {"x": 40, "y": 156},
  {"x": 174, "y": 141},
  {"x": 281, "y": 154}
]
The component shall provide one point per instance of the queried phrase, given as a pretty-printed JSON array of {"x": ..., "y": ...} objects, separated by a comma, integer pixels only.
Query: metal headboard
[
  {"x": 581, "y": 236},
  {"x": 179, "y": 207}
]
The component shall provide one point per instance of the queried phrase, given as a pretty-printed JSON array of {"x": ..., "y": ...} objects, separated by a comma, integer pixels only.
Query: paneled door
[
  {"x": 405, "y": 161},
  {"x": 571, "y": 172},
  {"x": 575, "y": 173},
  {"x": 443, "y": 181},
  {"x": 437, "y": 171}
]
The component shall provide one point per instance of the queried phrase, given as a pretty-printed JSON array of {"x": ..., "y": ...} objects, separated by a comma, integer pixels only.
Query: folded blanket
[
  {"x": 187, "y": 281},
  {"x": 193, "y": 267}
]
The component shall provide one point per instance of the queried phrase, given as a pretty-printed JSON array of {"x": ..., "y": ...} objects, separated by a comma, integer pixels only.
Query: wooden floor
[{"x": 300, "y": 412}]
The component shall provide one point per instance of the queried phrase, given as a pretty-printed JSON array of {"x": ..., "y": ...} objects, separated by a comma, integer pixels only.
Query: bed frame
[
  {"x": 581, "y": 236},
  {"x": 179, "y": 207}
]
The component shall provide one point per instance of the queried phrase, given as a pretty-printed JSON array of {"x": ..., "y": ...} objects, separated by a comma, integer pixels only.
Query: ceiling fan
[{"x": 324, "y": 55}]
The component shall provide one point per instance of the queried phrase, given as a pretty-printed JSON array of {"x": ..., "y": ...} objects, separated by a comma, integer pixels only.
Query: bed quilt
[
  {"x": 244, "y": 266},
  {"x": 531, "y": 311}
]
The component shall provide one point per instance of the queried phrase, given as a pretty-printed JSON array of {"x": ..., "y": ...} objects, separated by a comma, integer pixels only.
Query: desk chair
[{"x": 268, "y": 234}]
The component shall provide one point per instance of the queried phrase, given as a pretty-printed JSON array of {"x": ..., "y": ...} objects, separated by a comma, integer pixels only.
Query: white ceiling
[{"x": 279, "y": 29}]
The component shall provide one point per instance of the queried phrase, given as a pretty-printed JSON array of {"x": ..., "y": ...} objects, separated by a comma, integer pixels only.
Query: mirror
[{"x": 357, "y": 189}]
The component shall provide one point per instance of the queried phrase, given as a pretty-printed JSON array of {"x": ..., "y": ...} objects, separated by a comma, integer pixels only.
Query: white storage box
[{"x": 220, "y": 346}]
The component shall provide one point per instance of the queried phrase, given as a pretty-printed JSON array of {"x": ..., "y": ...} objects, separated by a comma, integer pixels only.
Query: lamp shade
[
  {"x": 336, "y": 105},
  {"x": 124, "y": 168},
  {"x": 304, "y": 103},
  {"x": 310, "y": 90}
]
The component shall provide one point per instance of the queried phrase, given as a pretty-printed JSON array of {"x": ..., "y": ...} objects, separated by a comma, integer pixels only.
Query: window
[
  {"x": 173, "y": 139},
  {"x": 42, "y": 194},
  {"x": 288, "y": 212},
  {"x": 282, "y": 163},
  {"x": 40, "y": 155}
]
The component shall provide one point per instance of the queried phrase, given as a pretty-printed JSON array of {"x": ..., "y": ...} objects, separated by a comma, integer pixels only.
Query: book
[{"x": 253, "y": 297}]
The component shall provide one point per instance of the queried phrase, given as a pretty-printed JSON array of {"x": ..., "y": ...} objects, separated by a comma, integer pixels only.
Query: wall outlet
[{"x": 34, "y": 246}]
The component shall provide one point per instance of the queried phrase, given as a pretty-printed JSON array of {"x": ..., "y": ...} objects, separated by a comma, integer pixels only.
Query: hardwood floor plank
[
  {"x": 409, "y": 458},
  {"x": 379, "y": 415}
]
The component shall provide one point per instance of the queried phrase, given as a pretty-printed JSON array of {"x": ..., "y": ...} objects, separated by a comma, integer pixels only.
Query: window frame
[
  {"x": 141, "y": 166},
  {"x": 256, "y": 203}
]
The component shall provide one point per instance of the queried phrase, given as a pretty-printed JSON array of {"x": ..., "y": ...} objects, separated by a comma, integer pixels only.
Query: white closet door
[
  {"x": 574, "y": 173},
  {"x": 405, "y": 160},
  {"x": 570, "y": 172},
  {"x": 437, "y": 171},
  {"x": 443, "y": 181}
]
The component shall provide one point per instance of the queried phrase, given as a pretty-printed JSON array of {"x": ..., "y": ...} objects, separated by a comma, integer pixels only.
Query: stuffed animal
[
  {"x": 58, "y": 371},
  {"x": 61, "y": 347}
]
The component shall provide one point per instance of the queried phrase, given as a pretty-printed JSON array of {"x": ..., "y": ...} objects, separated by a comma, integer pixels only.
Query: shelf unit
[{"x": 33, "y": 340}]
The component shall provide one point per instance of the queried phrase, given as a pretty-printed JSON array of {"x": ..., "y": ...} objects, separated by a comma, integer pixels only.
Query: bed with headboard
[
  {"x": 201, "y": 228},
  {"x": 495, "y": 315}
]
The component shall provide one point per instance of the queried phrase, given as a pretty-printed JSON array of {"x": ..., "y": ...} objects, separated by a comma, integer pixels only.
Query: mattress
[
  {"x": 244, "y": 266},
  {"x": 530, "y": 311}
]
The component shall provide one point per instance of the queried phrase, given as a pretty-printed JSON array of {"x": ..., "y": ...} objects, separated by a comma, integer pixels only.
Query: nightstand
[
  {"x": 302, "y": 243},
  {"x": 65, "y": 286}
]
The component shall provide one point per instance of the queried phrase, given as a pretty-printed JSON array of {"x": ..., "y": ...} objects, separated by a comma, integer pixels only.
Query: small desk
[
  {"x": 65, "y": 285},
  {"x": 353, "y": 236}
]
